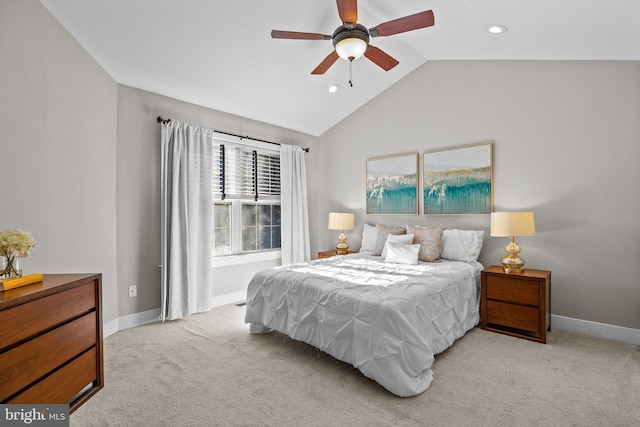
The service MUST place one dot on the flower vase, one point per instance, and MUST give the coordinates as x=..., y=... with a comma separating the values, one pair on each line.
x=10, y=266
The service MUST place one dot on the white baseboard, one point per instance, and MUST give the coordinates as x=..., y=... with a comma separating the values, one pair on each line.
x=144, y=317
x=130, y=321
x=138, y=319
x=109, y=328
x=231, y=298
x=601, y=330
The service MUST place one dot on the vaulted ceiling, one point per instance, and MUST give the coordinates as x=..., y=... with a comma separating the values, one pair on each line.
x=219, y=53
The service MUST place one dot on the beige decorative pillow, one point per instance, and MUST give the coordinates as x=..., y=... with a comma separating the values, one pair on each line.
x=430, y=240
x=382, y=232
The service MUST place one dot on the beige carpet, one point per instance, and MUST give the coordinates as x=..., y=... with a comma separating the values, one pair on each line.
x=208, y=371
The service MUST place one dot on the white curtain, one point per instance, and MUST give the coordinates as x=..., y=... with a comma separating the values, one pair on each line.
x=295, y=214
x=186, y=219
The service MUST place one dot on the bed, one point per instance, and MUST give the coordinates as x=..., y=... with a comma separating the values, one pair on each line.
x=388, y=319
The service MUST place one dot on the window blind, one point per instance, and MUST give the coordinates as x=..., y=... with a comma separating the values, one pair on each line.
x=244, y=172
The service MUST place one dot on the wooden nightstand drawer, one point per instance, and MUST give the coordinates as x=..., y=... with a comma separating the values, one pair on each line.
x=504, y=288
x=513, y=316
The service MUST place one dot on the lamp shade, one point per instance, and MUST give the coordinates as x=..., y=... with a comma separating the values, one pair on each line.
x=507, y=224
x=341, y=221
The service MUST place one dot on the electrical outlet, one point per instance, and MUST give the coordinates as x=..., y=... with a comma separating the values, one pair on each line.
x=133, y=291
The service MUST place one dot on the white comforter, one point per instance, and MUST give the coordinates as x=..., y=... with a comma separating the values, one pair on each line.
x=387, y=320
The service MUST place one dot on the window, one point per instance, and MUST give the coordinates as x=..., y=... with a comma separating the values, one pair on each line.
x=221, y=228
x=246, y=194
x=260, y=227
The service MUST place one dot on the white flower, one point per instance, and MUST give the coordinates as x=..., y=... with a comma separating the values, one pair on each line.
x=16, y=243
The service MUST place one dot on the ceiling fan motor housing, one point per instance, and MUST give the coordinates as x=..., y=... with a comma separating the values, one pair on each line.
x=349, y=31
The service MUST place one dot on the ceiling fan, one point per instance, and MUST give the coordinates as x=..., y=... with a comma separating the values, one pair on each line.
x=351, y=40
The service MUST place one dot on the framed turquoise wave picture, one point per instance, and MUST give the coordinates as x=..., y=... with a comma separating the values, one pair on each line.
x=458, y=180
x=392, y=185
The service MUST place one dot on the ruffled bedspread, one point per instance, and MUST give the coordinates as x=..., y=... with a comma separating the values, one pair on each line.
x=388, y=320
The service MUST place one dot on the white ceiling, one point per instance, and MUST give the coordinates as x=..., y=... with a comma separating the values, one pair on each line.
x=219, y=53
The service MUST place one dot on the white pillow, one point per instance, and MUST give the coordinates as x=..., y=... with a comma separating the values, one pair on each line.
x=461, y=245
x=369, y=235
x=403, y=239
x=402, y=254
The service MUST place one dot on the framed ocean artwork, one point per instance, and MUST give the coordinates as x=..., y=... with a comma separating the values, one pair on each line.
x=392, y=185
x=458, y=180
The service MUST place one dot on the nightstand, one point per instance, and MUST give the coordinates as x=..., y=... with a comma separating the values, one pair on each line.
x=516, y=304
x=329, y=254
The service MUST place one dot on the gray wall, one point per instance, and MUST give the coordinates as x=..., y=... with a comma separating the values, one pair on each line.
x=57, y=147
x=566, y=146
x=138, y=195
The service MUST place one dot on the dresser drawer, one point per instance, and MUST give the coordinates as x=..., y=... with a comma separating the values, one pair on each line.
x=30, y=361
x=58, y=308
x=503, y=288
x=63, y=384
x=513, y=316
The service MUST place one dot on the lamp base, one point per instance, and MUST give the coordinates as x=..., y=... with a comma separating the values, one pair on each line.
x=342, y=248
x=512, y=270
x=512, y=263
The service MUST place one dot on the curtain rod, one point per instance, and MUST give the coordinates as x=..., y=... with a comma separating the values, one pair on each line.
x=165, y=121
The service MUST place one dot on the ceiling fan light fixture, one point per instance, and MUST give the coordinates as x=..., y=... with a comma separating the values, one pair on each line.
x=351, y=48
x=351, y=41
x=333, y=88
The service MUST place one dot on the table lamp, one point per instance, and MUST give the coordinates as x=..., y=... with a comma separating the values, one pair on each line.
x=511, y=224
x=341, y=221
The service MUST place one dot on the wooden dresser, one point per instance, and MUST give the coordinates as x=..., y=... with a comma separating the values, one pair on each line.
x=516, y=304
x=51, y=341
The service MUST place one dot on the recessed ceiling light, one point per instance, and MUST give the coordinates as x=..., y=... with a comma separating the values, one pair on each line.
x=333, y=88
x=496, y=29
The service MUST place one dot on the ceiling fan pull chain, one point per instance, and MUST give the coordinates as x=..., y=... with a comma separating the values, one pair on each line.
x=350, y=65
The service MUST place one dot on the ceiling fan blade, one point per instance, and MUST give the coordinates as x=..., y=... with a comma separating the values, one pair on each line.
x=277, y=34
x=402, y=25
x=348, y=10
x=326, y=63
x=380, y=58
